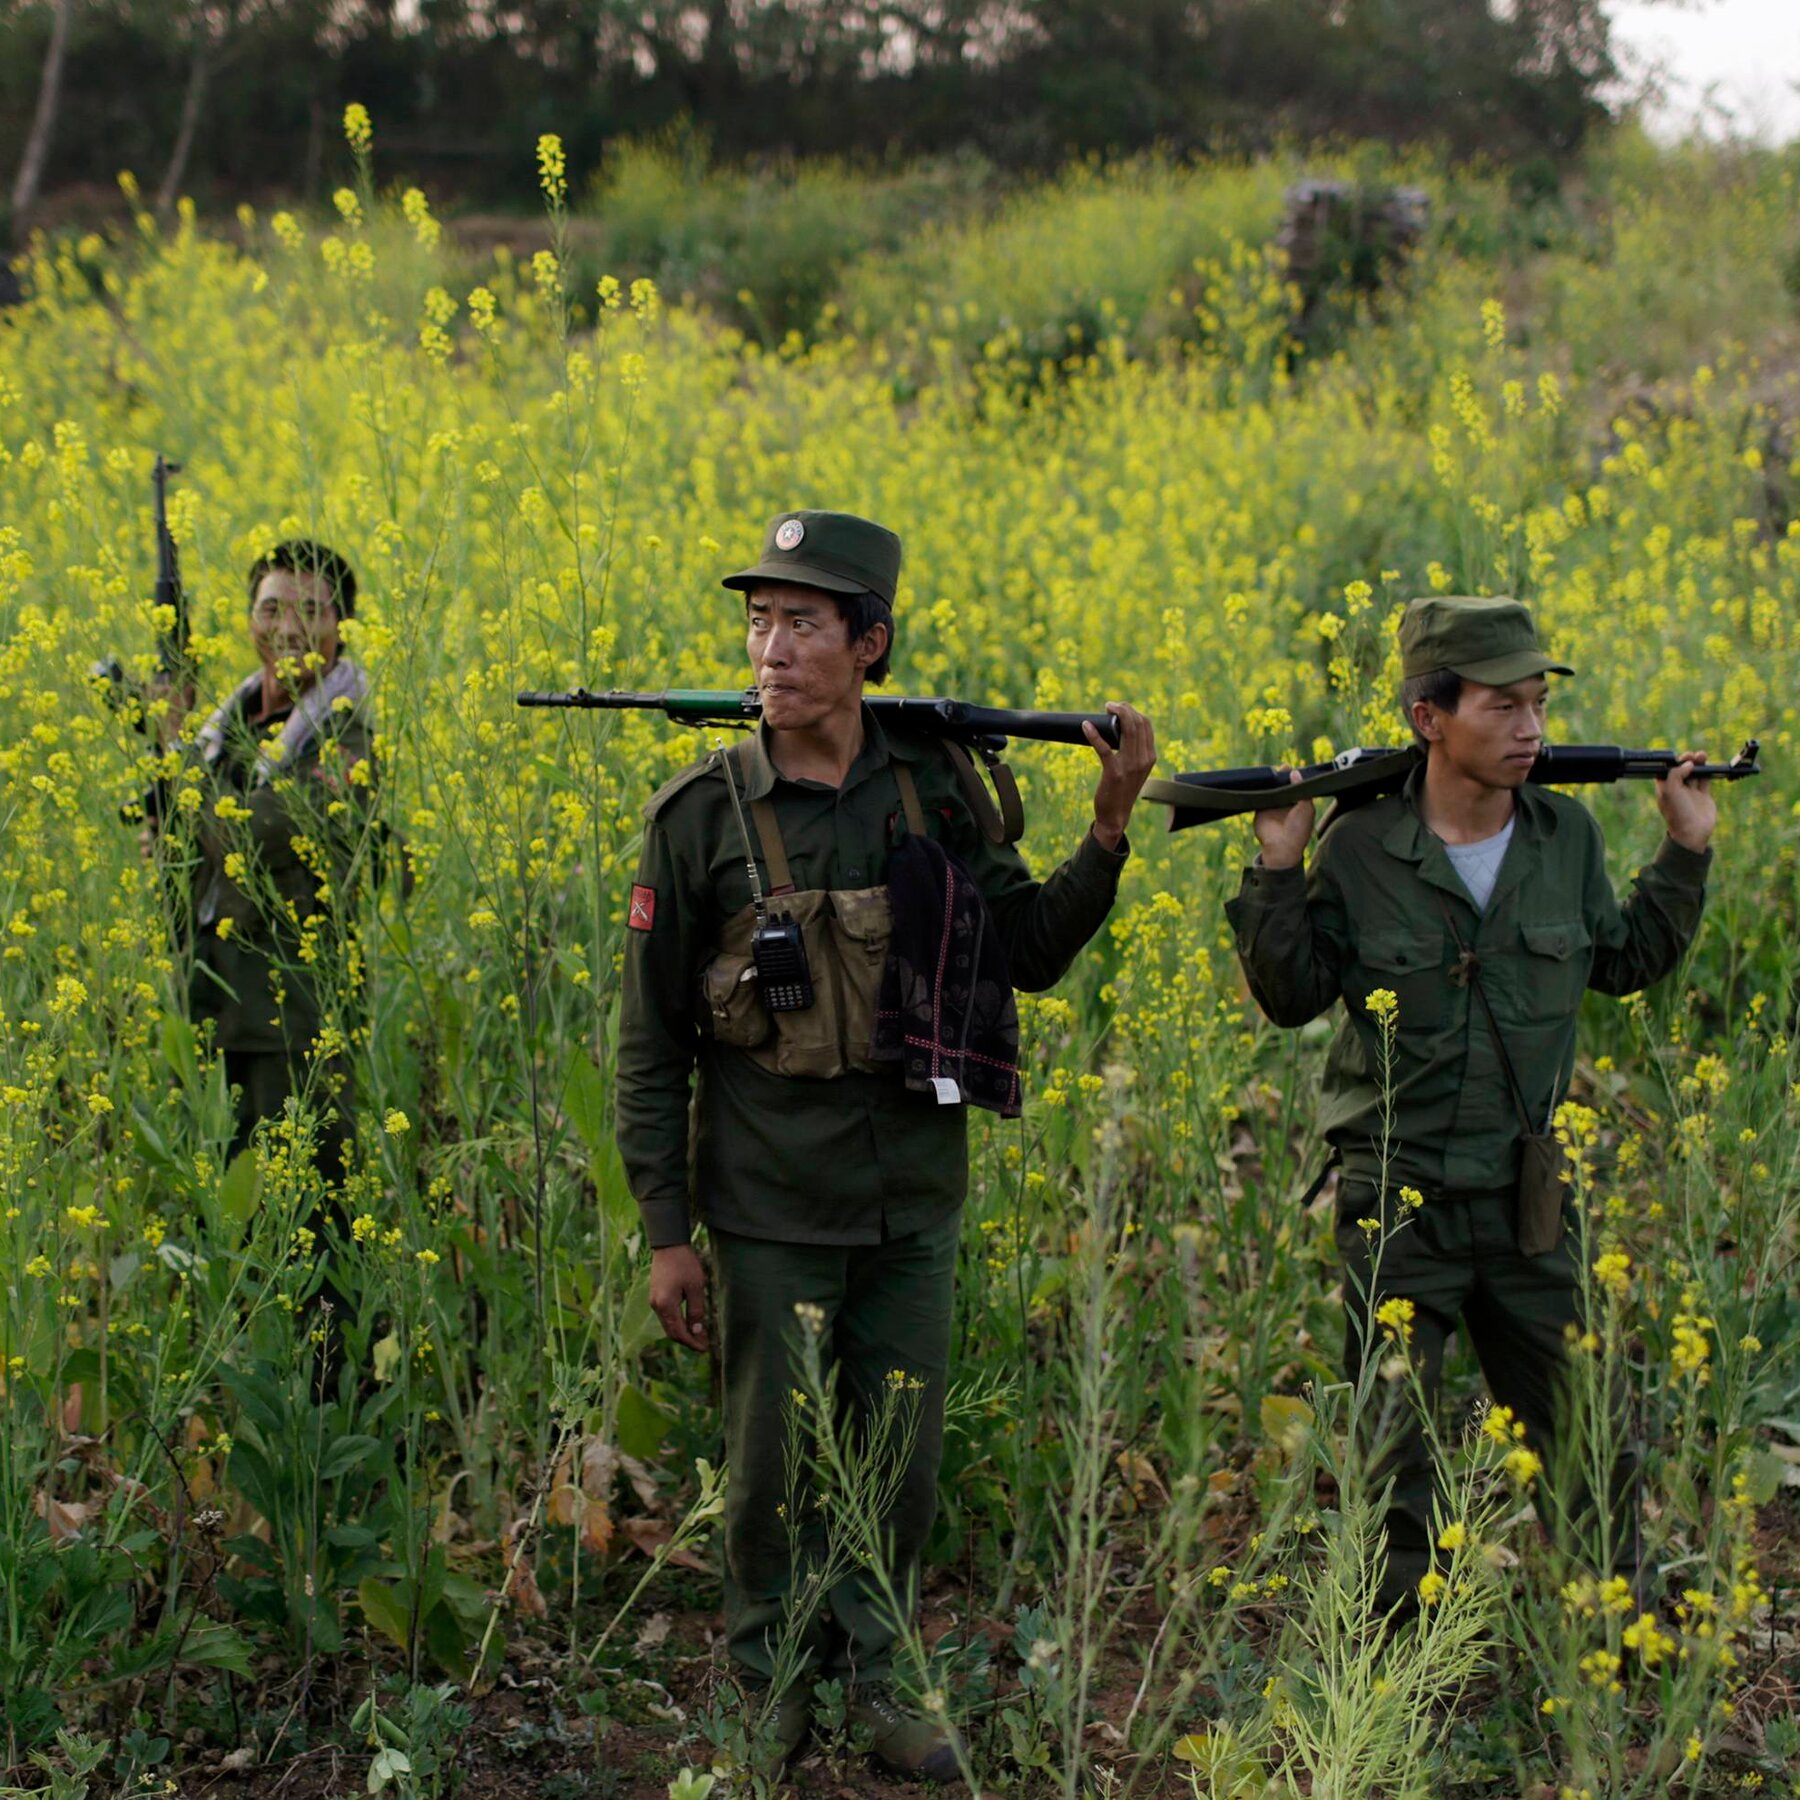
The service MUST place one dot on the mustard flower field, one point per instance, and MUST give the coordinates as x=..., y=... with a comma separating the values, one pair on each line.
x=456, y=1532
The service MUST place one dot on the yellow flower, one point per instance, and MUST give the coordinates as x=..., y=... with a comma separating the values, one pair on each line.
x=1612, y=1271
x=1649, y=1640
x=429, y=1258
x=1410, y=1196
x=1383, y=1006
x=1453, y=1536
x=359, y=129
x=1500, y=1427
x=1431, y=1588
x=552, y=168
x=364, y=1228
x=395, y=1123
x=1395, y=1317
x=1524, y=1466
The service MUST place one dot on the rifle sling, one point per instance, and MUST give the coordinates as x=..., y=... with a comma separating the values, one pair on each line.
x=1002, y=825
x=1190, y=796
x=1468, y=969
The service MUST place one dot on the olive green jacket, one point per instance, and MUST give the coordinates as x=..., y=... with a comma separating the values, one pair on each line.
x=850, y=1160
x=266, y=932
x=1367, y=916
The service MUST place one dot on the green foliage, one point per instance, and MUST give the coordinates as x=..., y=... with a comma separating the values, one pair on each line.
x=1148, y=1451
x=765, y=248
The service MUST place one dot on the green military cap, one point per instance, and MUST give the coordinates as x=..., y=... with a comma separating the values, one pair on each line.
x=835, y=551
x=1491, y=641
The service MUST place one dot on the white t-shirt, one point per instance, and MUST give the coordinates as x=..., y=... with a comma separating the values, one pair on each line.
x=1478, y=865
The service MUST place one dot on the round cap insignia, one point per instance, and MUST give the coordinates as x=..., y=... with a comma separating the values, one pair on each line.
x=788, y=534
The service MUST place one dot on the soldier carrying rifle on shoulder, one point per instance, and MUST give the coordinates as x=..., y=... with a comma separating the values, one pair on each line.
x=1479, y=901
x=822, y=931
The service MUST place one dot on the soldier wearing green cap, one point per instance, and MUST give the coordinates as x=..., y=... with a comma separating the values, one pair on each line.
x=1482, y=905
x=825, y=1180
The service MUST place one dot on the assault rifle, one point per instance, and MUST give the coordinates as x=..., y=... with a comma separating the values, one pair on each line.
x=962, y=725
x=980, y=727
x=1354, y=777
x=172, y=625
x=167, y=597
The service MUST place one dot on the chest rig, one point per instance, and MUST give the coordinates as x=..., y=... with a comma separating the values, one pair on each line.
x=796, y=980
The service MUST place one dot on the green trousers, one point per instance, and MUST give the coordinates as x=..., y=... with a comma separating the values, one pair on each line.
x=887, y=1307
x=1459, y=1263
x=262, y=1080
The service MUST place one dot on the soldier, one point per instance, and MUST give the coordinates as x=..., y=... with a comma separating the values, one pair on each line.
x=1482, y=904
x=825, y=1175
x=287, y=775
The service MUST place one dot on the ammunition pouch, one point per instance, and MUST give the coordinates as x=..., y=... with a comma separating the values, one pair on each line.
x=846, y=933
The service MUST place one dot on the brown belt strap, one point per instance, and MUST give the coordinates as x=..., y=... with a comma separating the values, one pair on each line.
x=909, y=799
x=1002, y=825
x=768, y=832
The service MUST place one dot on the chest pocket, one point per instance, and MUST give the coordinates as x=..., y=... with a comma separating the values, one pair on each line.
x=1410, y=964
x=846, y=933
x=1553, y=970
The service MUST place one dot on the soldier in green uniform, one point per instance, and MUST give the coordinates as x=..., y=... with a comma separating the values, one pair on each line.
x=1469, y=883
x=287, y=766
x=823, y=1178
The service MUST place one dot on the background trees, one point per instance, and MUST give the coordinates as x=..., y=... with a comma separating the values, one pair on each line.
x=215, y=94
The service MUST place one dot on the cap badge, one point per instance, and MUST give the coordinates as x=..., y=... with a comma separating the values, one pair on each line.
x=788, y=534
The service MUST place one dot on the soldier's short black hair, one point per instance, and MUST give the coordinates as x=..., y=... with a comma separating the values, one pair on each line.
x=1441, y=688
x=301, y=556
x=861, y=613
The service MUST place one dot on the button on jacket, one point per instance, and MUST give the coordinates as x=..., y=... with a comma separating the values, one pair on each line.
x=1369, y=915
x=851, y=1160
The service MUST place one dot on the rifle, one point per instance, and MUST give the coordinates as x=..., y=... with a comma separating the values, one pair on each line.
x=962, y=726
x=172, y=630
x=169, y=600
x=1355, y=777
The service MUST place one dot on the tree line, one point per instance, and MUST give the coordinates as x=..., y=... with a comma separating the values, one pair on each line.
x=233, y=99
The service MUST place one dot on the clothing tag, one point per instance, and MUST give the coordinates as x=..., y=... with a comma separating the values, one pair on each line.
x=948, y=1093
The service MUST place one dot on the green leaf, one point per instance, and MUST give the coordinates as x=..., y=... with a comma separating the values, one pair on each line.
x=239, y=1188
x=386, y=1357
x=584, y=1103
x=639, y=1327
x=128, y=1663
x=217, y=1646
x=1765, y=1475
x=448, y=1642
x=387, y=1765
x=642, y=1425
x=385, y=1610
x=346, y=1454
x=253, y=1475
x=1285, y=1422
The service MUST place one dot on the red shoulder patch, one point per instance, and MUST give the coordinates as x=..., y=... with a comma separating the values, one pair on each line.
x=643, y=908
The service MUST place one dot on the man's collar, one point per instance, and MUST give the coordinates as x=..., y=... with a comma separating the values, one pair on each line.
x=1412, y=840
x=878, y=749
